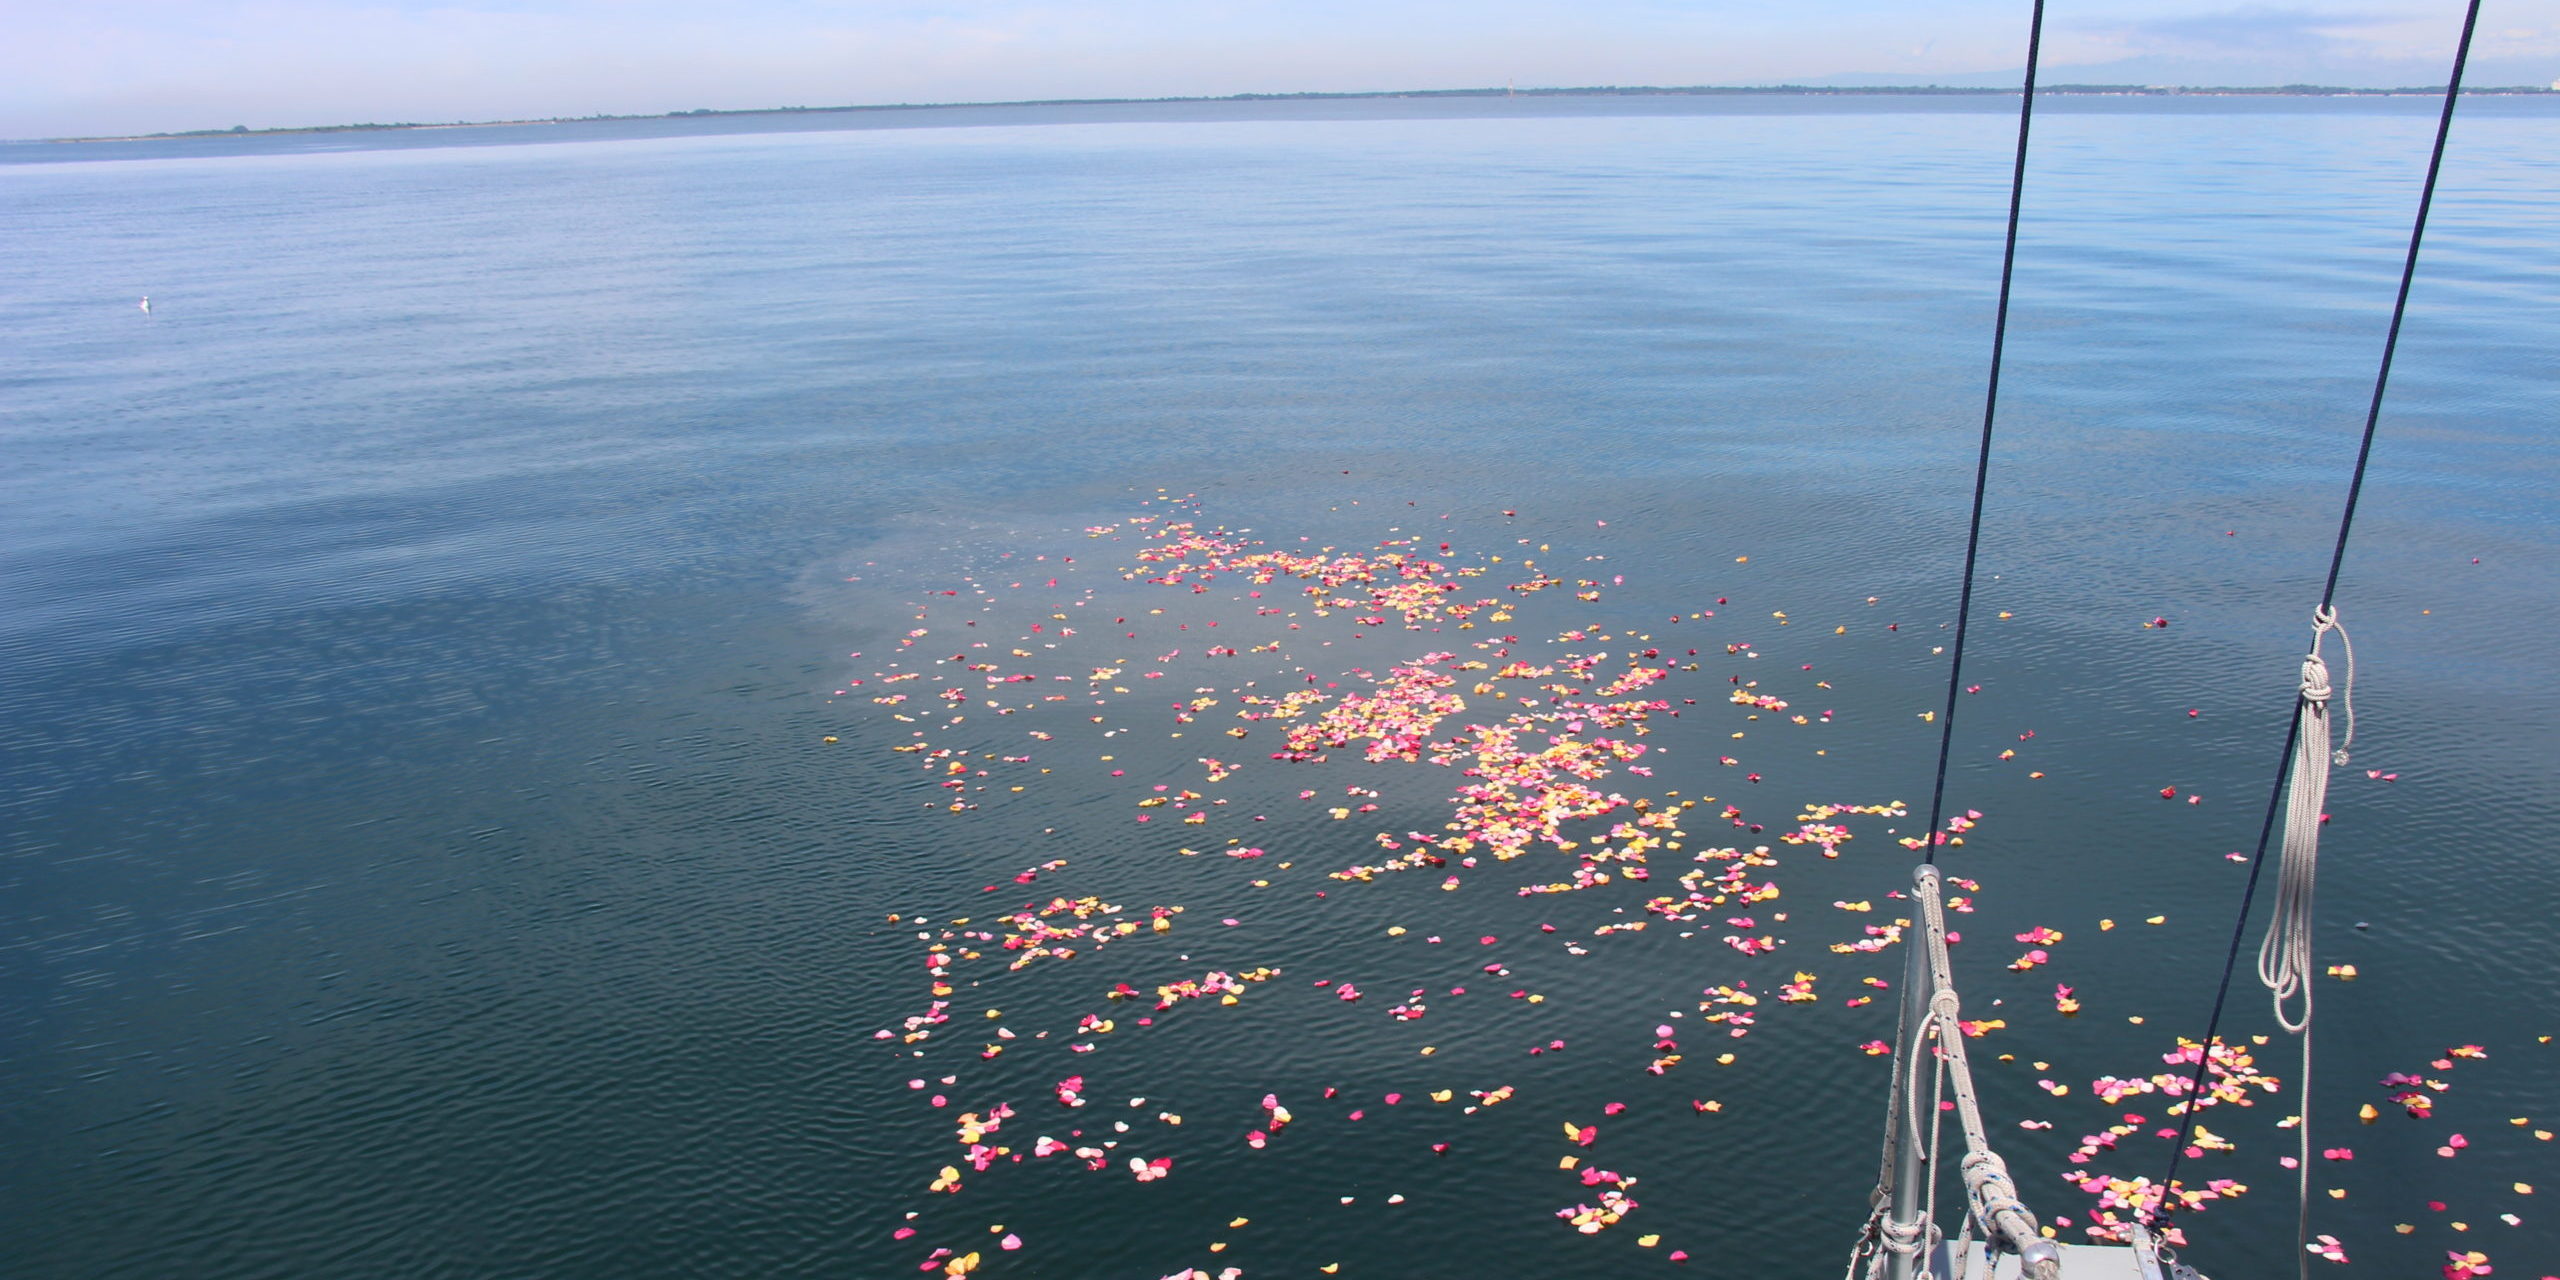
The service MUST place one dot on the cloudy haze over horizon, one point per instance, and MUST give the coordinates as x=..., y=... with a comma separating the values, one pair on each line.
x=134, y=66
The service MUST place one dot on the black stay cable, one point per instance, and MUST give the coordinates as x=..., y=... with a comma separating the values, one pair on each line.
x=1907, y=1038
x=1982, y=460
x=2337, y=557
x=2400, y=306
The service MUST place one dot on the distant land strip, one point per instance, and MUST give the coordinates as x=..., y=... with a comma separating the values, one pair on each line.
x=1589, y=91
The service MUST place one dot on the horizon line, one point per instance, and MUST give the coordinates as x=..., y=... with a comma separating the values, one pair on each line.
x=2119, y=90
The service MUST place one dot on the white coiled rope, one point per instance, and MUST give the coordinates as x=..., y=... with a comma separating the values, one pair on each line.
x=2284, y=959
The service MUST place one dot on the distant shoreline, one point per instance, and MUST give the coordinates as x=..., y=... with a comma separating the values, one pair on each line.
x=1597, y=91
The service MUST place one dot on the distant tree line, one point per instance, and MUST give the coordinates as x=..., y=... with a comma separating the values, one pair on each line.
x=1584, y=91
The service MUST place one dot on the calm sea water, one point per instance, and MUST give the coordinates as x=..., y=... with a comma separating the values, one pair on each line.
x=422, y=634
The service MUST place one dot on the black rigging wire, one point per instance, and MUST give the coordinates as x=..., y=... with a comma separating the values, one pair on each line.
x=1982, y=460
x=2328, y=593
x=1895, y=1116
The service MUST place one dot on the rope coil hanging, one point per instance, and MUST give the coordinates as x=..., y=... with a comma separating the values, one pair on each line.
x=2284, y=958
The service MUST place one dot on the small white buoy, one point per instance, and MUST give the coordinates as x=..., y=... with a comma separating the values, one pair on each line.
x=146, y=304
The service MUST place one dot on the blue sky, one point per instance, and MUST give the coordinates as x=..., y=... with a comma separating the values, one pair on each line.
x=109, y=66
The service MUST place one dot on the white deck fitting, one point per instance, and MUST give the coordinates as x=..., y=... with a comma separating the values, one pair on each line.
x=2079, y=1262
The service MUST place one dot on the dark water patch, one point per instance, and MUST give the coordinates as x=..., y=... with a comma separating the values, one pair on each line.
x=423, y=852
